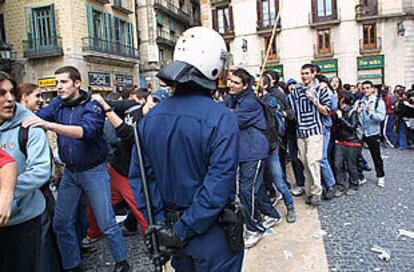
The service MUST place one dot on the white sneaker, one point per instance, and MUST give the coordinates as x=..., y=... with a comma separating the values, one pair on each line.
x=276, y=199
x=252, y=238
x=297, y=191
x=381, y=182
x=362, y=181
x=269, y=222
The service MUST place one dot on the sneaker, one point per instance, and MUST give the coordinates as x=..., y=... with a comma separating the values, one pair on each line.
x=276, y=200
x=297, y=191
x=330, y=193
x=351, y=192
x=315, y=200
x=381, y=182
x=252, y=238
x=122, y=266
x=269, y=222
x=88, y=241
x=126, y=232
x=88, y=250
x=291, y=215
x=339, y=193
x=308, y=200
x=362, y=181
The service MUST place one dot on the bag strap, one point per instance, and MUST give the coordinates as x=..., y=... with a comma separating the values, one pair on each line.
x=23, y=139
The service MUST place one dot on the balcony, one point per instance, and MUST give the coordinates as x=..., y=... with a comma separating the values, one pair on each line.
x=195, y=22
x=228, y=35
x=318, y=21
x=108, y=49
x=167, y=7
x=43, y=48
x=117, y=5
x=322, y=53
x=363, y=12
x=103, y=1
x=266, y=28
x=167, y=38
x=219, y=2
x=273, y=58
x=370, y=48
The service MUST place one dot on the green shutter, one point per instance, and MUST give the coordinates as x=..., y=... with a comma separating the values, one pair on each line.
x=89, y=12
x=160, y=19
x=29, y=27
x=53, y=25
x=173, y=25
x=116, y=29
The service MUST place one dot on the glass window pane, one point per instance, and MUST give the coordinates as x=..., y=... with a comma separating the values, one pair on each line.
x=327, y=39
x=321, y=8
x=328, y=7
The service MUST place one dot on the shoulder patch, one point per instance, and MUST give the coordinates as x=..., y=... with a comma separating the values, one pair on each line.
x=97, y=109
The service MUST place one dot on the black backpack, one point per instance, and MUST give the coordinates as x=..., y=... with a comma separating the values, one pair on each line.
x=272, y=124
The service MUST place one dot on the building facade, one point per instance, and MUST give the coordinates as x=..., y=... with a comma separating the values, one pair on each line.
x=99, y=37
x=355, y=39
x=161, y=23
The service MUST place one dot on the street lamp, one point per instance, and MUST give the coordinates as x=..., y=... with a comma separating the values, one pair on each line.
x=401, y=28
x=7, y=56
x=244, y=45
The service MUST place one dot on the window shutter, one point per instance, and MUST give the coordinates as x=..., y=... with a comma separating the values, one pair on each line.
x=30, y=28
x=131, y=38
x=259, y=14
x=116, y=29
x=89, y=13
x=231, y=18
x=160, y=19
x=214, y=15
x=53, y=25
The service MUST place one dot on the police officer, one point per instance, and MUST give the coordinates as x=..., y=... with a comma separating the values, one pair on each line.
x=190, y=148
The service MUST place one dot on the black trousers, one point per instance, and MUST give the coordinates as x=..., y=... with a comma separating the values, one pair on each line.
x=373, y=143
x=20, y=246
x=346, y=162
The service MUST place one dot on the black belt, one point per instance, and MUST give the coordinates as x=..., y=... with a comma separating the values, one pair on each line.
x=172, y=216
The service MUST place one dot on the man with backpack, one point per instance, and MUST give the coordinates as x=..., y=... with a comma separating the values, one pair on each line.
x=253, y=150
x=310, y=103
x=371, y=111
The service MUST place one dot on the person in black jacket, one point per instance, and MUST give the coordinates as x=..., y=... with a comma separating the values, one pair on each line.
x=347, y=146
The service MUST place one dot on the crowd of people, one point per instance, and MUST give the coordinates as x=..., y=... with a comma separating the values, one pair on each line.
x=206, y=161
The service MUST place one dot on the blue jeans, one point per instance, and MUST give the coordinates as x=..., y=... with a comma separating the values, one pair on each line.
x=389, y=133
x=402, y=134
x=95, y=183
x=326, y=170
x=297, y=166
x=253, y=194
x=276, y=173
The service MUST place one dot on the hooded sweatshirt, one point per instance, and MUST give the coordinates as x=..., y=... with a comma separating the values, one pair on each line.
x=33, y=172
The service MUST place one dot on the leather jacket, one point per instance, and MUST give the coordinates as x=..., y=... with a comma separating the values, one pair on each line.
x=347, y=126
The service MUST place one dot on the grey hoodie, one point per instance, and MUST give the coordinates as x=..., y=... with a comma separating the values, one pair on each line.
x=34, y=171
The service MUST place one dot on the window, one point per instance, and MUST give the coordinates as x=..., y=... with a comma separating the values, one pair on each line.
x=266, y=12
x=98, y=24
x=2, y=28
x=273, y=52
x=223, y=19
x=159, y=30
x=369, y=7
x=324, y=41
x=124, y=38
x=161, y=53
x=369, y=36
x=99, y=28
x=41, y=27
x=324, y=10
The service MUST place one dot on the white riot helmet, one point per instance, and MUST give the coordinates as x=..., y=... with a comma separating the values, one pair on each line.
x=199, y=56
x=204, y=49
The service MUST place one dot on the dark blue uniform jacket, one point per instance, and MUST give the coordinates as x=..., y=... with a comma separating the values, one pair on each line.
x=91, y=150
x=190, y=147
x=250, y=117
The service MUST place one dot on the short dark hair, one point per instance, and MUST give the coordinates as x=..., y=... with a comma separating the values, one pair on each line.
x=274, y=75
x=369, y=82
x=309, y=66
x=113, y=96
x=142, y=93
x=5, y=76
x=347, y=87
x=243, y=75
x=347, y=96
x=317, y=68
x=72, y=71
x=127, y=91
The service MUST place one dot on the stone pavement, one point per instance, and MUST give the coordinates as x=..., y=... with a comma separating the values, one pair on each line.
x=337, y=236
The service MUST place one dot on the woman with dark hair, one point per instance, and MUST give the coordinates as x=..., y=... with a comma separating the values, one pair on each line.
x=30, y=96
x=336, y=83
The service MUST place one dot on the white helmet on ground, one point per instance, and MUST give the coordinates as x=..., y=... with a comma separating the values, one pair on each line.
x=204, y=49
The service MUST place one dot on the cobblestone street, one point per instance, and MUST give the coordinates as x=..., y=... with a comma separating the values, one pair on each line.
x=373, y=217
x=352, y=225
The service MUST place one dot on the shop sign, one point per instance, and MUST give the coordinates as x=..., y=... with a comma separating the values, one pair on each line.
x=369, y=76
x=126, y=80
x=46, y=82
x=99, y=79
x=277, y=68
x=327, y=66
x=370, y=62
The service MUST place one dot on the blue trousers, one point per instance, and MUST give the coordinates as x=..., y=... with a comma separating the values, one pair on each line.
x=95, y=183
x=209, y=252
x=253, y=194
x=275, y=170
x=389, y=133
x=326, y=170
